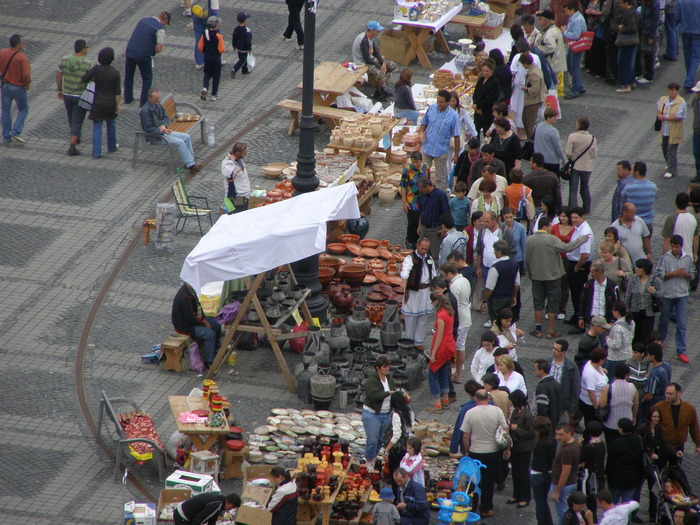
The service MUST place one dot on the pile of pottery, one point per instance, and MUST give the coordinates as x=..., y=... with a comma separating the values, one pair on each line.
x=360, y=131
x=290, y=434
x=411, y=142
x=277, y=296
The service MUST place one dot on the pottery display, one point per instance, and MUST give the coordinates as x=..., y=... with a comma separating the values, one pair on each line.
x=336, y=248
x=353, y=274
x=358, y=327
x=325, y=275
x=348, y=237
x=329, y=261
x=391, y=324
x=322, y=389
x=341, y=298
x=387, y=194
x=338, y=339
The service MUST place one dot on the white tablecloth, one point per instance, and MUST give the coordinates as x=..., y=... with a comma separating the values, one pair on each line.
x=433, y=26
x=503, y=42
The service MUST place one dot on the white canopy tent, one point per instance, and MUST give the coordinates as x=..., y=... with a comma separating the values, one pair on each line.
x=264, y=238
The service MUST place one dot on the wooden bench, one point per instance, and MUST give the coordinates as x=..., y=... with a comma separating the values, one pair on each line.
x=130, y=435
x=173, y=348
x=145, y=140
x=332, y=115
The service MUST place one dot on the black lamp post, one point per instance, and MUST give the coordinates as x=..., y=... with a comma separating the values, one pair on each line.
x=305, y=180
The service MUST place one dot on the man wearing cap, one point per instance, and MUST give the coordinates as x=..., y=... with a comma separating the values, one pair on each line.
x=696, y=130
x=551, y=43
x=201, y=11
x=16, y=77
x=70, y=86
x=365, y=50
x=155, y=122
x=212, y=45
x=147, y=39
x=591, y=340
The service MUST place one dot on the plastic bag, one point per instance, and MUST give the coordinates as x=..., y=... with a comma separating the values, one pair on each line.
x=175, y=441
x=196, y=363
x=297, y=344
x=251, y=61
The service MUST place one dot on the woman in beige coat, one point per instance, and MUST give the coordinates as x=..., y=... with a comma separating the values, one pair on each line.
x=535, y=92
x=581, y=146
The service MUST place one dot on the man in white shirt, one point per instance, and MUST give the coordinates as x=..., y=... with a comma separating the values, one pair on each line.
x=633, y=233
x=614, y=514
x=479, y=438
x=489, y=173
x=578, y=261
x=460, y=288
x=682, y=223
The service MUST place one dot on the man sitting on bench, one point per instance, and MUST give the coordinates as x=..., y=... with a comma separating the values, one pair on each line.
x=189, y=319
x=155, y=121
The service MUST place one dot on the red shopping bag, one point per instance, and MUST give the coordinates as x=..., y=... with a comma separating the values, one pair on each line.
x=552, y=101
x=584, y=43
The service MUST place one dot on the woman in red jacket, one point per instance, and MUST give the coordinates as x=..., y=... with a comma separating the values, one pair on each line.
x=442, y=351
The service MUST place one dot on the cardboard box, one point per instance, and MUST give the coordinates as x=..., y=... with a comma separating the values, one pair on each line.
x=503, y=6
x=255, y=201
x=249, y=515
x=197, y=482
x=139, y=513
x=168, y=496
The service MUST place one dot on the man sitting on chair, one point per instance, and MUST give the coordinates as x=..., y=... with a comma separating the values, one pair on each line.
x=188, y=319
x=155, y=121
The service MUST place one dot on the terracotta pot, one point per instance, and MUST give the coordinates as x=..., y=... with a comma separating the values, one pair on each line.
x=387, y=194
x=353, y=274
x=325, y=275
x=328, y=261
x=369, y=243
x=348, y=237
x=336, y=248
x=342, y=299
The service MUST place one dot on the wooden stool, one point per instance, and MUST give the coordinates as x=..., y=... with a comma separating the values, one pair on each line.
x=205, y=462
x=172, y=348
x=233, y=459
x=148, y=225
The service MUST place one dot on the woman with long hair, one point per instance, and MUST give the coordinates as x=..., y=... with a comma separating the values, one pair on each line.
x=541, y=468
x=502, y=73
x=507, y=332
x=627, y=43
x=396, y=437
x=523, y=431
x=624, y=400
x=442, y=350
x=486, y=93
x=563, y=230
x=648, y=39
x=549, y=209
x=404, y=106
x=643, y=288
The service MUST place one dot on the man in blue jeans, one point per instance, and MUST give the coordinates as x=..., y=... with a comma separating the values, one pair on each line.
x=676, y=269
x=564, y=468
x=695, y=103
x=16, y=77
x=188, y=318
x=688, y=20
x=155, y=122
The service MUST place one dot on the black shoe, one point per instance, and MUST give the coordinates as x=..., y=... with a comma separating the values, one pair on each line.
x=575, y=331
x=500, y=486
x=611, y=80
x=666, y=57
x=636, y=519
x=73, y=151
x=128, y=101
x=246, y=72
x=570, y=321
x=233, y=74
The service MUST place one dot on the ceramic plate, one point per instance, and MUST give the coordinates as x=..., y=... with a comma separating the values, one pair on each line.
x=329, y=432
x=346, y=436
x=291, y=433
x=312, y=419
x=324, y=414
x=201, y=413
x=298, y=429
x=263, y=430
x=313, y=429
x=361, y=441
x=356, y=423
x=272, y=448
x=292, y=412
x=262, y=482
x=279, y=411
x=273, y=420
x=328, y=425
x=343, y=427
x=298, y=420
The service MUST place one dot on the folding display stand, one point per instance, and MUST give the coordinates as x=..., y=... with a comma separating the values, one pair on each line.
x=273, y=332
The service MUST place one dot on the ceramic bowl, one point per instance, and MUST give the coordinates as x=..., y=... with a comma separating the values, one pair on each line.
x=329, y=262
x=348, y=237
x=278, y=165
x=271, y=173
x=325, y=276
x=353, y=274
x=336, y=248
x=369, y=243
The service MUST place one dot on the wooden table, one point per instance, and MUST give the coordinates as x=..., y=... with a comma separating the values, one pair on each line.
x=418, y=32
x=332, y=80
x=195, y=431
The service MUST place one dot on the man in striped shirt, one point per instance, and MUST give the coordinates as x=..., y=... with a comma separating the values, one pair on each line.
x=69, y=88
x=642, y=193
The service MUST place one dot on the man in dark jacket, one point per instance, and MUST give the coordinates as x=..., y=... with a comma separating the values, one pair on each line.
x=147, y=39
x=457, y=444
x=566, y=373
x=205, y=509
x=547, y=393
x=155, y=122
x=625, y=466
x=598, y=295
x=410, y=500
x=188, y=318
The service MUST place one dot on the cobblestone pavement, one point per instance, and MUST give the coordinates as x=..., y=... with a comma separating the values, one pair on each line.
x=65, y=221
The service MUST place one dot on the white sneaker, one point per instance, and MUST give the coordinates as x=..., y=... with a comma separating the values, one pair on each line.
x=487, y=324
x=642, y=80
x=198, y=66
x=213, y=98
x=667, y=175
x=187, y=12
x=657, y=64
x=561, y=316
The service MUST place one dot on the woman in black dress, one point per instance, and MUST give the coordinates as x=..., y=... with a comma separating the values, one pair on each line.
x=503, y=74
x=486, y=93
x=107, y=102
x=507, y=144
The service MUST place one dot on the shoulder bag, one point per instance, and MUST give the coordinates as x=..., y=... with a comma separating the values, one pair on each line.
x=528, y=148
x=627, y=39
x=567, y=169
x=503, y=439
x=602, y=413
x=623, y=279
x=584, y=42
x=88, y=96
x=7, y=67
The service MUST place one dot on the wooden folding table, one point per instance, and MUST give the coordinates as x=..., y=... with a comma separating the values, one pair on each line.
x=331, y=80
x=195, y=431
x=419, y=32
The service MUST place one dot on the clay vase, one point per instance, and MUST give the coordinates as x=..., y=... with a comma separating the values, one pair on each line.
x=313, y=341
x=358, y=326
x=322, y=391
x=391, y=325
x=387, y=193
x=304, y=384
x=348, y=139
x=338, y=340
x=358, y=226
x=342, y=299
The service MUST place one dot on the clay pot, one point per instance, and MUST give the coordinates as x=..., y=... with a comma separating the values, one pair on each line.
x=359, y=260
x=391, y=324
x=348, y=237
x=353, y=274
x=325, y=275
x=358, y=226
x=358, y=327
x=369, y=243
x=387, y=194
x=377, y=127
x=348, y=139
x=342, y=299
x=336, y=248
x=329, y=262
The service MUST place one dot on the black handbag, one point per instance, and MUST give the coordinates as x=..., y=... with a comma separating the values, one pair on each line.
x=657, y=124
x=602, y=413
x=567, y=170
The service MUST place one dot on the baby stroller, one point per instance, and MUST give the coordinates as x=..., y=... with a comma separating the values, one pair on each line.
x=674, y=492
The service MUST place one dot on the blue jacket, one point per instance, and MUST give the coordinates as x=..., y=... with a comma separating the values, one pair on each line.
x=153, y=116
x=242, y=39
x=457, y=445
x=688, y=15
x=142, y=44
x=417, y=511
